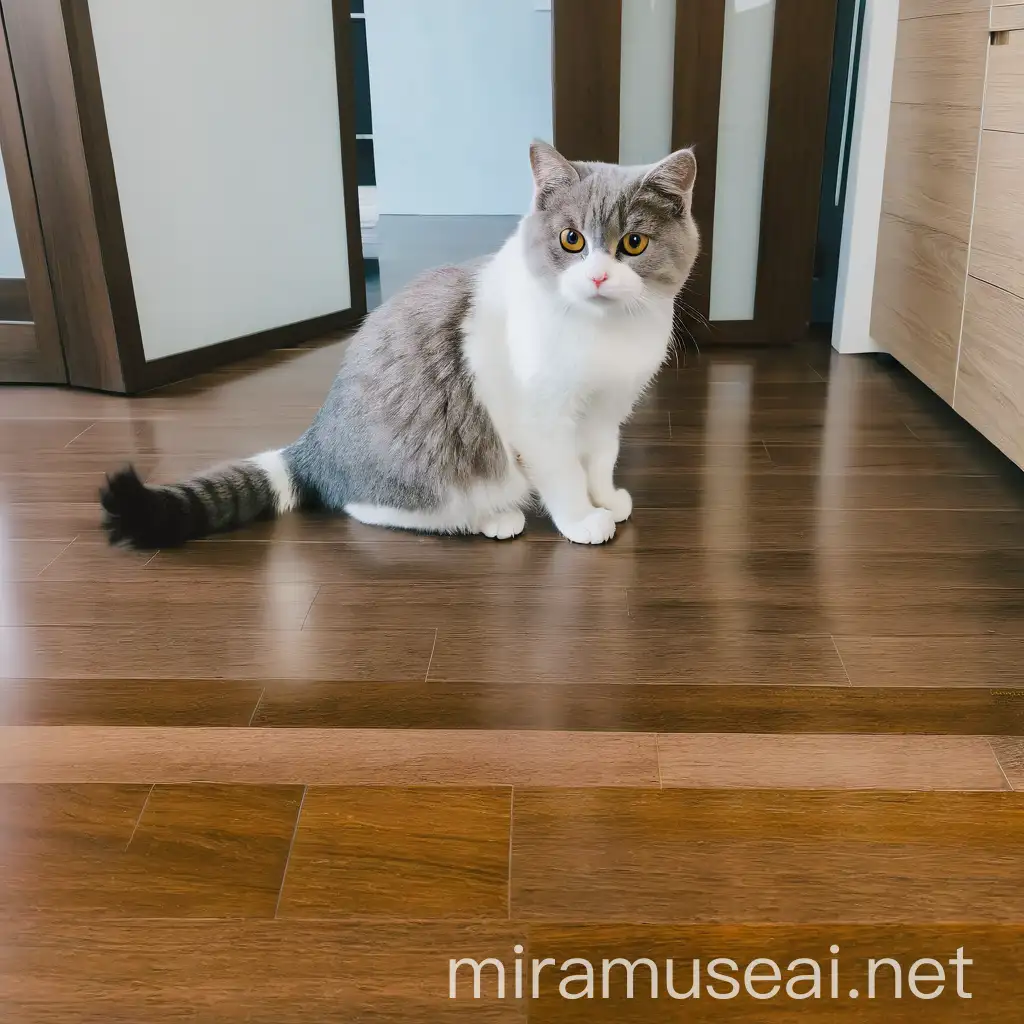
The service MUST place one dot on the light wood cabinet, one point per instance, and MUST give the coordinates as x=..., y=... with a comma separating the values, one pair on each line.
x=949, y=285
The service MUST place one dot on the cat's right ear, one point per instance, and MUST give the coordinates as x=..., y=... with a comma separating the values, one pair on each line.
x=552, y=173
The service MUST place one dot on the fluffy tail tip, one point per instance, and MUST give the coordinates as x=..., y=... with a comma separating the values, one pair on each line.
x=137, y=515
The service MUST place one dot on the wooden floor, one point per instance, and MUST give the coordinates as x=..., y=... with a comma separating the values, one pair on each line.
x=288, y=774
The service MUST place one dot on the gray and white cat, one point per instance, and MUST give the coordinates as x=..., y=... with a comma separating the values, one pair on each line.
x=478, y=387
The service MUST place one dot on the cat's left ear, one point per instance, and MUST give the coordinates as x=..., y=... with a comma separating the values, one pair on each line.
x=673, y=178
x=552, y=173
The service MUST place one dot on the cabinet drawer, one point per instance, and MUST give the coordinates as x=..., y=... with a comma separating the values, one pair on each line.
x=1004, y=97
x=997, y=244
x=990, y=383
x=1007, y=17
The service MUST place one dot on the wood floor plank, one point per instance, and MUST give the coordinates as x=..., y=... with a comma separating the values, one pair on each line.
x=254, y=971
x=655, y=656
x=47, y=521
x=986, y=661
x=666, y=708
x=906, y=763
x=912, y=456
x=161, y=604
x=24, y=435
x=834, y=531
x=741, y=604
x=689, y=856
x=90, y=559
x=209, y=851
x=25, y=560
x=339, y=605
x=415, y=854
x=326, y=757
x=143, y=702
x=109, y=652
x=61, y=845
x=875, y=491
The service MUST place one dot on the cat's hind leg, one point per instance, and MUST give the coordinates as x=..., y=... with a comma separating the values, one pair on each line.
x=439, y=521
x=499, y=525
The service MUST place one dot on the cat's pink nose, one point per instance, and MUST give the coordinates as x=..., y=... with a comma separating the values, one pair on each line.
x=600, y=279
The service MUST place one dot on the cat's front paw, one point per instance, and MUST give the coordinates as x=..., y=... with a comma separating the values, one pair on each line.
x=596, y=528
x=504, y=525
x=620, y=504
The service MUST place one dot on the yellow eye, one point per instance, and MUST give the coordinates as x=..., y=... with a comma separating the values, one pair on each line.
x=633, y=244
x=572, y=241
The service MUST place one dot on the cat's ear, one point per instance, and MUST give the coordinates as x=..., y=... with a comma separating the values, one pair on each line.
x=673, y=178
x=552, y=173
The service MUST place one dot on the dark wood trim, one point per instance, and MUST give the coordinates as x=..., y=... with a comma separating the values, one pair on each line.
x=794, y=158
x=29, y=352
x=15, y=306
x=587, y=58
x=349, y=156
x=697, y=90
x=92, y=116
x=42, y=69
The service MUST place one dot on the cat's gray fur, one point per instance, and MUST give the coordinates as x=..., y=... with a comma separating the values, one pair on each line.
x=401, y=425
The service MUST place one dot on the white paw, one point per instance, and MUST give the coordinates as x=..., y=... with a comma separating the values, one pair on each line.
x=503, y=525
x=620, y=505
x=596, y=528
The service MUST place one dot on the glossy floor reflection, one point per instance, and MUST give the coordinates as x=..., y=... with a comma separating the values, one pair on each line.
x=261, y=778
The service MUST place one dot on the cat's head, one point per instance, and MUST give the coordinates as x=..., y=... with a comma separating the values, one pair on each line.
x=610, y=237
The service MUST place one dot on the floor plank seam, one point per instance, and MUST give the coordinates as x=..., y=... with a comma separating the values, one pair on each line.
x=78, y=435
x=511, y=826
x=839, y=655
x=999, y=764
x=259, y=700
x=309, y=610
x=430, y=660
x=657, y=759
x=291, y=847
x=56, y=556
x=138, y=820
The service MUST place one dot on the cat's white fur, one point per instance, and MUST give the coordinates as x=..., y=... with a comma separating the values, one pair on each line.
x=558, y=371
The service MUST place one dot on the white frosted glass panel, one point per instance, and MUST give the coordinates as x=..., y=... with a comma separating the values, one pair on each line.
x=10, y=253
x=646, y=81
x=459, y=89
x=223, y=120
x=742, y=128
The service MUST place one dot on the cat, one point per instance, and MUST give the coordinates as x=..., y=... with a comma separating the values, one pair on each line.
x=478, y=386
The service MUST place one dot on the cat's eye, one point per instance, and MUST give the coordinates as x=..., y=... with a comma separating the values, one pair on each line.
x=572, y=241
x=634, y=243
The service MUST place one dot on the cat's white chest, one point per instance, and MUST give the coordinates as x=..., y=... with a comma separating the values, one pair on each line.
x=583, y=356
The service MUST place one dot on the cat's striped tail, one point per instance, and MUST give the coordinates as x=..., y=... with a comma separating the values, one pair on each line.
x=223, y=498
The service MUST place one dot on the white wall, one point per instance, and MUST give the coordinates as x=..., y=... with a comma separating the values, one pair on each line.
x=10, y=255
x=223, y=120
x=458, y=89
x=851, y=330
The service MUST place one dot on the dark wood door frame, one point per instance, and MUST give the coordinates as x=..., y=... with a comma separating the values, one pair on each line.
x=794, y=156
x=53, y=55
x=30, y=352
x=586, y=70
